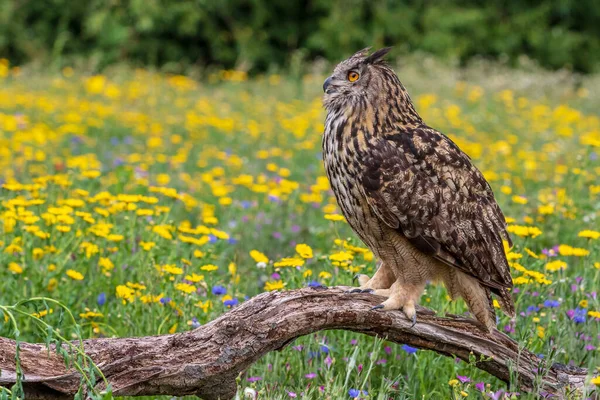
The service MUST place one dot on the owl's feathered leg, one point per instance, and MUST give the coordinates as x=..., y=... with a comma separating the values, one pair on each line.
x=382, y=279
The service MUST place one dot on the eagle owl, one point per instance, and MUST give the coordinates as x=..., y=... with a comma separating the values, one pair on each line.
x=411, y=195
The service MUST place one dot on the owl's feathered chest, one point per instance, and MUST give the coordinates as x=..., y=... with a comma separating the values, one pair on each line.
x=344, y=147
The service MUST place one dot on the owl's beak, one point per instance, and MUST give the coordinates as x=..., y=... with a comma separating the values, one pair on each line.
x=326, y=84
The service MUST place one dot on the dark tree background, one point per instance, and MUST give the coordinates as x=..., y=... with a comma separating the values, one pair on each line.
x=258, y=34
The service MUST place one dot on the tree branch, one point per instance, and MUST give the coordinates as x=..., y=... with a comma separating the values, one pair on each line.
x=206, y=361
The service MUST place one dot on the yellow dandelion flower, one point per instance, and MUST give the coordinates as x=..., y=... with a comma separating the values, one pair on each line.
x=185, y=288
x=289, y=262
x=341, y=256
x=198, y=254
x=194, y=277
x=43, y=313
x=519, y=199
x=209, y=267
x=304, y=250
x=276, y=285
x=524, y=231
x=565, y=250
x=594, y=314
x=324, y=275
x=334, y=217
x=521, y=280
x=15, y=268
x=37, y=253
x=91, y=314
x=171, y=269
x=105, y=263
x=77, y=276
x=541, y=331
x=589, y=234
x=52, y=284
x=204, y=305
x=531, y=253
x=125, y=293
x=147, y=246
x=163, y=231
x=583, y=303
x=259, y=257
x=556, y=265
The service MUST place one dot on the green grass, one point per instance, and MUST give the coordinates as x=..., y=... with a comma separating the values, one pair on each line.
x=243, y=160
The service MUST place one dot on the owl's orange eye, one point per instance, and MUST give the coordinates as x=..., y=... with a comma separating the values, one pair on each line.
x=353, y=76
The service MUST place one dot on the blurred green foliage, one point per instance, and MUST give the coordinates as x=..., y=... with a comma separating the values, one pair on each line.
x=258, y=34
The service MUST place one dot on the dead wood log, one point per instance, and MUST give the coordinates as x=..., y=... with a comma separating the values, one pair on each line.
x=206, y=361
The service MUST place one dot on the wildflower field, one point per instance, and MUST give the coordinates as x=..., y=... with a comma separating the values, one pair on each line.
x=145, y=203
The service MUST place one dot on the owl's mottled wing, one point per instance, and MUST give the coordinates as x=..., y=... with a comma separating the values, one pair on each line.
x=419, y=182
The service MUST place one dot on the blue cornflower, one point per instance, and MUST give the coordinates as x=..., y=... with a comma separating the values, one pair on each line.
x=533, y=309
x=580, y=314
x=551, y=303
x=218, y=290
x=101, y=299
x=408, y=349
x=231, y=303
x=354, y=393
x=165, y=300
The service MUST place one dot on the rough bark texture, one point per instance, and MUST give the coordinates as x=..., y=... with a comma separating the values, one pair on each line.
x=206, y=361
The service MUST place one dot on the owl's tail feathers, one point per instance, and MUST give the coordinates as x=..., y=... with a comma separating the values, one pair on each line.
x=506, y=302
x=478, y=299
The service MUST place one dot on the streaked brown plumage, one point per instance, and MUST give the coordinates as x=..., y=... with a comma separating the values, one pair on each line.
x=411, y=194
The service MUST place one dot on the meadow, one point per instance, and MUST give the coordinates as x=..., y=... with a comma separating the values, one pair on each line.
x=138, y=203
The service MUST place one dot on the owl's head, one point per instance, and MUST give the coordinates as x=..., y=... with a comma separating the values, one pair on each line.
x=361, y=76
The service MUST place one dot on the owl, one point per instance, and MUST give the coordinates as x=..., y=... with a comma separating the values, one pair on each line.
x=411, y=195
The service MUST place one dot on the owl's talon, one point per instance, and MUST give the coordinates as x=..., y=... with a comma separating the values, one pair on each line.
x=377, y=307
x=355, y=278
x=414, y=321
x=359, y=290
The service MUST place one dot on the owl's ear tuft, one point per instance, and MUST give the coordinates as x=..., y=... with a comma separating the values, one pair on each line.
x=378, y=55
x=361, y=53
